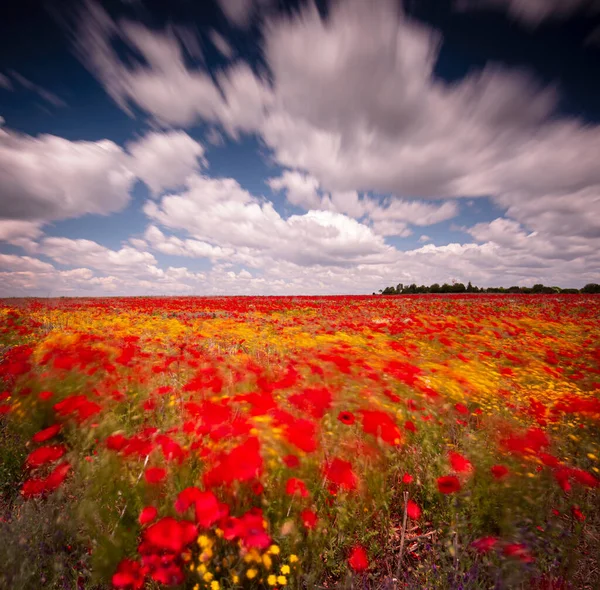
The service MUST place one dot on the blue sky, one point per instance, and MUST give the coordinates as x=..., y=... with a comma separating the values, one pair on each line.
x=270, y=147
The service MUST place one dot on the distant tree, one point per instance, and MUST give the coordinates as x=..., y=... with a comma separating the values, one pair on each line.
x=591, y=288
x=458, y=288
x=537, y=288
x=469, y=288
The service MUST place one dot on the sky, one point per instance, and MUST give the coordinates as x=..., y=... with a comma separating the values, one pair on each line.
x=263, y=147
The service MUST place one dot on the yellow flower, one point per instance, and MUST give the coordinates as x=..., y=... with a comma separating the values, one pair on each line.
x=214, y=585
x=285, y=569
x=251, y=573
x=293, y=558
x=252, y=555
x=281, y=580
x=272, y=580
x=207, y=577
x=274, y=550
x=267, y=561
x=235, y=579
x=203, y=541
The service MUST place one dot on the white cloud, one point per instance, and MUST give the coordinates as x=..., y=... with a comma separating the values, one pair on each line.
x=301, y=190
x=165, y=160
x=415, y=212
x=165, y=86
x=221, y=44
x=16, y=228
x=532, y=12
x=5, y=82
x=424, y=238
x=13, y=262
x=220, y=212
x=48, y=96
x=237, y=11
x=48, y=177
x=177, y=247
x=95, y=256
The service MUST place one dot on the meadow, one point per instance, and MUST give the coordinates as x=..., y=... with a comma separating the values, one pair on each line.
x=300, y=442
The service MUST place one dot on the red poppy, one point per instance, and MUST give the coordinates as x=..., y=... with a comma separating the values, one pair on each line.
x=296, y=486
x=147, y=515
x=382, y=425
x=448, y=484
x=47, y=433
x=485, y=544
x=154, y=475
x=346, y=418
x=128, y=575
x=358, y=560
x=459, y=463
x=339, y=473
x=208, y=510
x=303, y=435
x=44, y=455
x=116, y=442
x=499, y=471
x=461, y=409
x=519, y=551
x=577, y=514
x=408, y=425
x=291, y=461
x=413, y=510
x=169, y=534
x=309, y=519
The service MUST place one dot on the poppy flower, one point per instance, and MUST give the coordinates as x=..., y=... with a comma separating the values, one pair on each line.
x=346, y=418
x=291, y=461
x=208, y=510
x=461, y=409
x=44, y=455
x=339, y=472
x=309, y=519
x=116, y=442
x=47, y=433
x=410, y=426
x=407, y=478
x=296, y=486
x=448, y=484
x=382, y=425
x=577, y=514
x=499, y=471
x=155, y=475
x=459, y=463
x=170, y=534
x=413, y=510
x=128, y=575
x=484, y=544
x=186, y=498
x=519, y=551
x=358, y=560
x=147, y=515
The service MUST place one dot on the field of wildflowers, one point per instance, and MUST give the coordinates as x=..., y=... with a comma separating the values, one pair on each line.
x=349, y=442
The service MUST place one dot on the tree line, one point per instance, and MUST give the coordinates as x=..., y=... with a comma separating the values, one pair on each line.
x=413, y=289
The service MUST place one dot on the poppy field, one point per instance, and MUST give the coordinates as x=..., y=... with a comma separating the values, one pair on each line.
x=300, y=442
